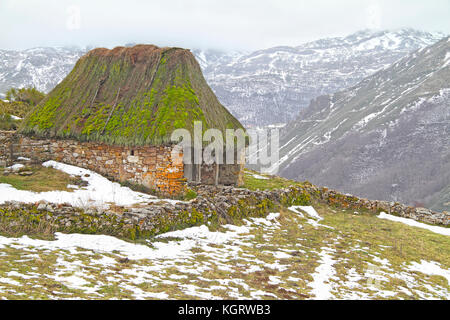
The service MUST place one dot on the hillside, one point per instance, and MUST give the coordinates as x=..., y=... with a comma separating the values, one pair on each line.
x=135, y=95
x=303, y=250
x=385, y=138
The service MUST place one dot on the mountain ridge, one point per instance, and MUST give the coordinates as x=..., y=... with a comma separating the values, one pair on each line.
x=385, y=138
x=272, y=85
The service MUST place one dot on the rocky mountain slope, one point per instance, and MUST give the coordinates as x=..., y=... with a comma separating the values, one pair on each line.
x=259, y=88
x=386, y=138
x=272, y=85
x=42, y=68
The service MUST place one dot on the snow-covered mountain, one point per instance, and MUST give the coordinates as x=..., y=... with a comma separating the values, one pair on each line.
x=272, y=85
x=42, y=68
x=386, y=138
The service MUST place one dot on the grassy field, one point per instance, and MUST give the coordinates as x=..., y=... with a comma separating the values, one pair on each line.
x=43, y=179
x=284, y=258
x=253, y=181
x=343, y=254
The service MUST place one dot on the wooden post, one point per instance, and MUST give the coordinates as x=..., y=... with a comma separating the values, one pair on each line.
x=217, y=173
x=11, y=153
x=199, y=173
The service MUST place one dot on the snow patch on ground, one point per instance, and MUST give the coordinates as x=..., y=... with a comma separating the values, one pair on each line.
x=414, y=223
x=430, y=268
x=294, y=209
x=323, y=273
x=257, y=176
x=311, y=212
x=16, y=167
x=190, y=238
x=100, y=192
x=171, y=260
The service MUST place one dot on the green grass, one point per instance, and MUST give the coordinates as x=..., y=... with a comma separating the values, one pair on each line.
x=406, y=241
x=356, y=239
x=189, y=195
x=274, y=182
x=7, y=123
x=9, y=109
x=43, y=179
x=16, y=108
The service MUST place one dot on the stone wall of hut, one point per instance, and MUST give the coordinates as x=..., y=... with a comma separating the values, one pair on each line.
x=158, y=168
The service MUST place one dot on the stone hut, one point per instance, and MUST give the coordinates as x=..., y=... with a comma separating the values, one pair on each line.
x=115, y=114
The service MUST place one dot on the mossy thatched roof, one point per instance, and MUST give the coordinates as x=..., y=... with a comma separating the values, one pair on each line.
x=129, y=96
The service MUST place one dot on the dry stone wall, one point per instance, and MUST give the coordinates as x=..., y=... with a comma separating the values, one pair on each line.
x=6, y=139
x=213, y=204
x=160, y=169
x=224, y=203
x=347, y=201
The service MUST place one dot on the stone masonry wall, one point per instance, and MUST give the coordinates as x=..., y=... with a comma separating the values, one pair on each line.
x=6, y=138
x=347, y=201
x=155, y=167
x=167, y=175
x=212, y=203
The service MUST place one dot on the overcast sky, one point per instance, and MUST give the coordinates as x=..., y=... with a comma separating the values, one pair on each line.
x=225, y=24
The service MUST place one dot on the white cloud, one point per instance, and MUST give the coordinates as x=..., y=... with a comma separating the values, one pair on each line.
x=231, y=24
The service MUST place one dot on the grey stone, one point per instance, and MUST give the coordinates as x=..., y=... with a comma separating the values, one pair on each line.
x=423, y=211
